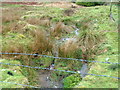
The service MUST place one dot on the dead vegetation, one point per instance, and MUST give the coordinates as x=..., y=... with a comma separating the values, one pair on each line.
x=10, y=15
x=60, y=29
x=68, y=48
x=90, y=41
x=39, y=21
x=41, y=43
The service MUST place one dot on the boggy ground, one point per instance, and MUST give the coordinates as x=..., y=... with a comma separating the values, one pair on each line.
x=74, y=32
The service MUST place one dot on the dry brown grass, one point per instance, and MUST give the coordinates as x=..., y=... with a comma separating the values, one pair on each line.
x=13, y=27
x=85, y=47
x=59, y=29
x=9, y=19
x=38, y=21
x=68, y=48
x=10, y=15
x=0, y=31
x=89, y=41
x=41, y=43
x=15, y=46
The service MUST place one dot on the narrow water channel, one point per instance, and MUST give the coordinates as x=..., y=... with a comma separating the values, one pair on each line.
x=44, y=78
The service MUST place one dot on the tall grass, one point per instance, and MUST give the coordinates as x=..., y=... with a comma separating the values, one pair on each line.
x=68, y=48
x=85, y=46
x=12, y=27
x=10, y=15
x=41, y=43
x=90, y=41
x=59, y=29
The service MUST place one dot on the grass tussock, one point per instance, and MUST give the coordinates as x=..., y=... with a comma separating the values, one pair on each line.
x=86, y=46
x=68, y=48
x=41, y=43
x=85, y=24
x=10, y=16
x=90, y=41
x=59, y=29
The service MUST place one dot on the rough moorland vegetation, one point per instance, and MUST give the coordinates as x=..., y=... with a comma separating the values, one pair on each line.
x=84, y=33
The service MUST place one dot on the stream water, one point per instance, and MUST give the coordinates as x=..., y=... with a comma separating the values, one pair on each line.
x=46, y=82
x=44, y=75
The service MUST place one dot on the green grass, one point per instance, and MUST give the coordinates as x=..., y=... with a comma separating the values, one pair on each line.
x=97, y=18
x=103, y=23
x=17, y=72
x=101, y=69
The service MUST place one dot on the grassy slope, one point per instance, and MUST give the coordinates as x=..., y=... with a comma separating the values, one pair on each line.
x=104, y=23
x=101, y=21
